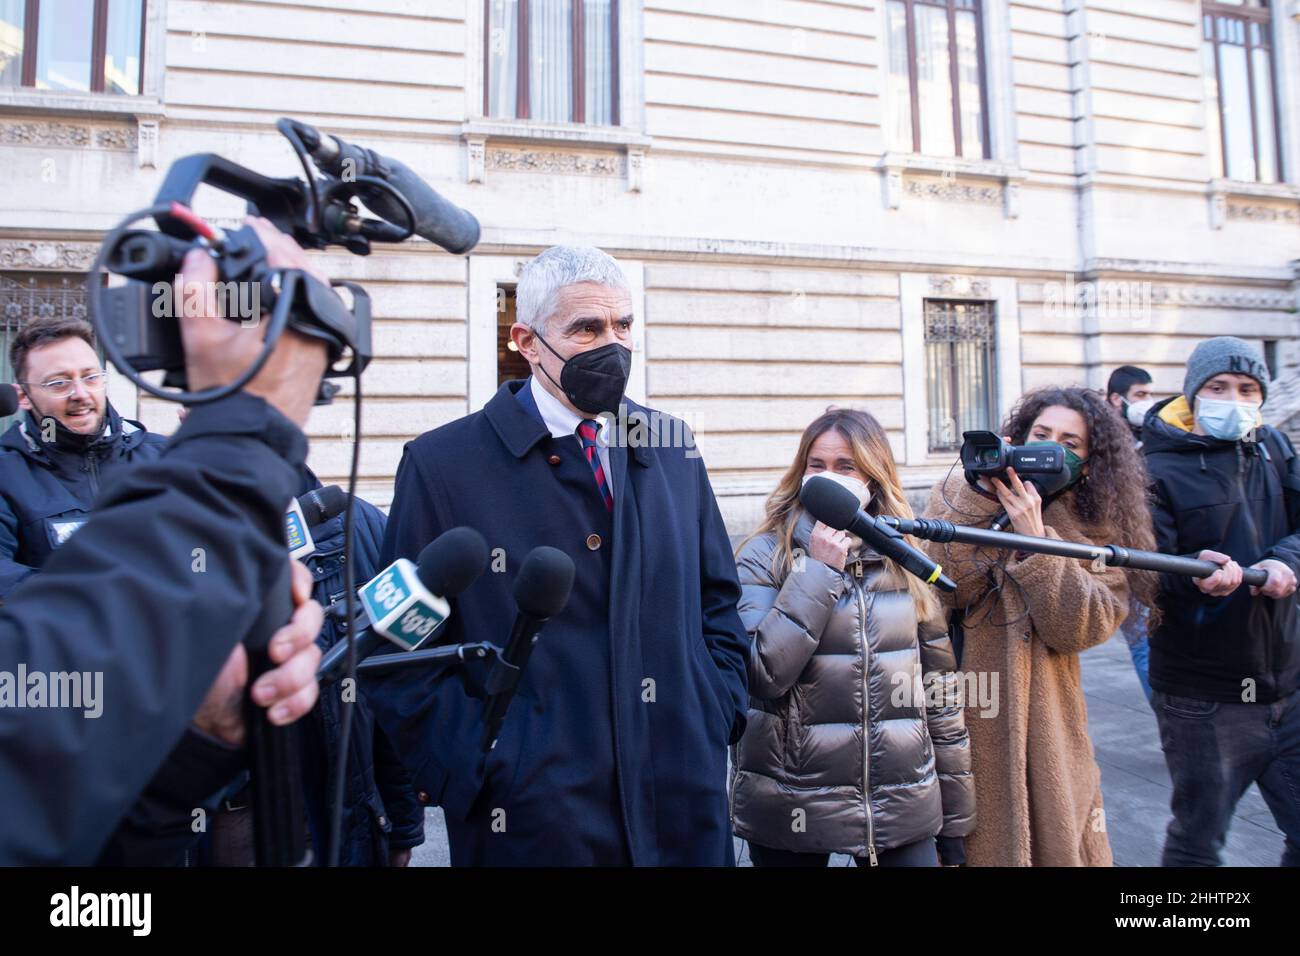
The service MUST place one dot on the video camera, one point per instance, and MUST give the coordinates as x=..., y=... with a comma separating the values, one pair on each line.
x=136, y=321
x=986, y=455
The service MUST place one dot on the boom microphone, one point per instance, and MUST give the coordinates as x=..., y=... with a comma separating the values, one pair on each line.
x=836, y=507
x=436, y=219
x=541, y=591
x=8, y=400
x=1111, y=555
x=406, y=602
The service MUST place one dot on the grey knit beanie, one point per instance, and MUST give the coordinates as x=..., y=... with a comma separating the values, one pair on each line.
x=1227, y=353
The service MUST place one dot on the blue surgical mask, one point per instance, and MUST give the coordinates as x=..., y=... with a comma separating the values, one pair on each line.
x=1229, y=421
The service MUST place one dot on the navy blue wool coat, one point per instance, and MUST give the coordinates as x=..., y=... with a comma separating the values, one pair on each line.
x=614, y=751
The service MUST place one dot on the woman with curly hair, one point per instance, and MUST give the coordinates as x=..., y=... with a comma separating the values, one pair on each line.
x=1026, y=617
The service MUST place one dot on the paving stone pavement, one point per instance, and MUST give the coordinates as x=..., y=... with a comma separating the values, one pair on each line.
x=1135, y=783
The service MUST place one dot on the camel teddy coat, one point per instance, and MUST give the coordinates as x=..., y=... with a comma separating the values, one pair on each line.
x=1037, y=786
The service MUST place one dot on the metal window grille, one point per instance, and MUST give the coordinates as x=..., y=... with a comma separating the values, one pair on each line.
x=960, y=354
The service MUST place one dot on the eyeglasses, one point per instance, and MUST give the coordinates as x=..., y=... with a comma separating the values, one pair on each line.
x=62, y=387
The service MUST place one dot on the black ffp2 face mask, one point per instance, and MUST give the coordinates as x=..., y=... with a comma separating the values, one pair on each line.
x=593, y=381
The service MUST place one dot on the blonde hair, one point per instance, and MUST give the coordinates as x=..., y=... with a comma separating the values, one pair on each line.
x=873, y=459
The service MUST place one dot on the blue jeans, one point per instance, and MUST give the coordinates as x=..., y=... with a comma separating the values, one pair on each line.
x=1215, y=751
x=1134, y=630
x=1140, y=651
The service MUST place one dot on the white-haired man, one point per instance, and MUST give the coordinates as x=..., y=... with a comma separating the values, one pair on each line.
x=614, y=750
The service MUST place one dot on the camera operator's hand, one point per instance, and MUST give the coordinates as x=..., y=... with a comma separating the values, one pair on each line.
x=217, y=350
x=1023, y=504
x=829, y=546
x=1281, y=580
x=1223, y=581
x=289, y=690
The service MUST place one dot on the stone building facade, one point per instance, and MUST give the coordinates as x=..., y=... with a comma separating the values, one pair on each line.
x=919, y=207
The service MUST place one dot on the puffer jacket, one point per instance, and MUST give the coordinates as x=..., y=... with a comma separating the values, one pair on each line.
x=47, y=489
x=841, y=753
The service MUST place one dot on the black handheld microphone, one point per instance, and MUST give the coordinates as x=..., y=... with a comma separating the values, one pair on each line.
x=541, y=591
x=321, y=504
x=310, y=511
x=436, y=219
x=447, y=566
x=8, y=400
x=837, y=507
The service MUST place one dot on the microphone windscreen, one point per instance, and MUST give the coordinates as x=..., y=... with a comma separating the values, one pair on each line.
x=544, y=582
x=829, y=502
x=321, y=504
x=8, y=400
x=436, y=219
x=452, y=561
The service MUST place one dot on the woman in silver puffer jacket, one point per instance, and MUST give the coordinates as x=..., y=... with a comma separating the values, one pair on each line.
x=855, y=741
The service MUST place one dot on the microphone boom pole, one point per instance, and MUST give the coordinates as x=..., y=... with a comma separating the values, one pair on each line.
x=1112, y=555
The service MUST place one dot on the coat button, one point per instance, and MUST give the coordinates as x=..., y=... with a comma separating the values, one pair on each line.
x=554, y=459
x=383, y=821
x=593, y=542
x=422, y=797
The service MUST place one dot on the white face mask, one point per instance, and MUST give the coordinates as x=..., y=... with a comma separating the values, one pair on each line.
x=1230, y=421
x=854, y=485
x=1137, y=412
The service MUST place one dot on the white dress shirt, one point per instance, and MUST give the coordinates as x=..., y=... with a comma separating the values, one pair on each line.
x=561, y=421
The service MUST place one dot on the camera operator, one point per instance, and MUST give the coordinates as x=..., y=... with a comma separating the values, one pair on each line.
x=159, y=829
x=151, y=595
x=1225, y=664
x=69, y=444
x=1028, y=616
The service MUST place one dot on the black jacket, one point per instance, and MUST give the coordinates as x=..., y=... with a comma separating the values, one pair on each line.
x=47, y=488
x=125, y=598
x=381, y=811
x=615, y=747
x=1228, y=497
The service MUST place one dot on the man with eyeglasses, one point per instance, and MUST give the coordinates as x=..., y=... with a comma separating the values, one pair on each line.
x=66, y=445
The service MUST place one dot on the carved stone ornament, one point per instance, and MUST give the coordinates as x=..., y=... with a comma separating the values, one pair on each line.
x=948, y=189
x=958, y=285
x=28, y=254
x=556, y=162
x=1256, y=212
x=1223, y=298
x=476, y=157
x=68, y=135
x=147, y=154
x=635, y=168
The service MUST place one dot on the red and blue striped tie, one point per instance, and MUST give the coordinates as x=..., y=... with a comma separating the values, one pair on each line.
x=587, y=429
